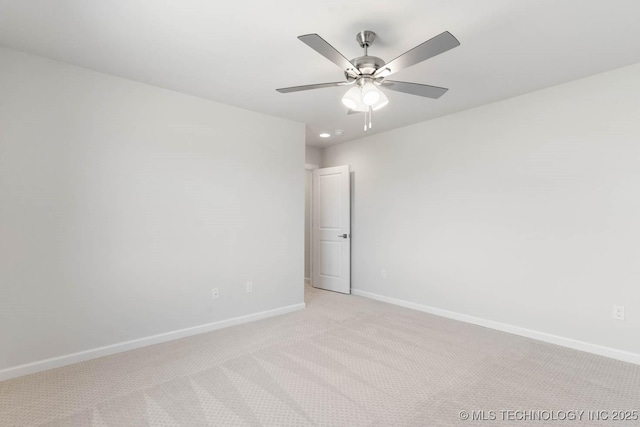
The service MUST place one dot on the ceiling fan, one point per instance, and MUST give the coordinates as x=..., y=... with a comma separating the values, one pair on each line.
x=368, y=73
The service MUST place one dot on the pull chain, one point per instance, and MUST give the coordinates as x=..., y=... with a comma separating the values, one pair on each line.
x=368, y=114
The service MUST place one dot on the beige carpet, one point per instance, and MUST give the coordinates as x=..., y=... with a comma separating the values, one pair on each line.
x=344, y=361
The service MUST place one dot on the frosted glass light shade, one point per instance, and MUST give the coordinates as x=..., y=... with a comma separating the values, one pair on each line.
x=381, y=102
x=370, y=94
x=351, y=99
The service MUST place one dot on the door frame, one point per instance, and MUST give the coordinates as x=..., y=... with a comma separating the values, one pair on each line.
x=308, y=167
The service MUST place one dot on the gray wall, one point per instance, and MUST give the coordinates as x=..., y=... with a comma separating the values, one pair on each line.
x=122, y=205
x=526, y=211
x=313, y=155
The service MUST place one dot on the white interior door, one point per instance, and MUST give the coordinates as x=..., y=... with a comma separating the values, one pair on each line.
x=331, y=267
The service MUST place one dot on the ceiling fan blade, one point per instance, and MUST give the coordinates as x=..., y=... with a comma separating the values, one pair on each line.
x=350, y=112
x=432, y=47
x=310, y=87
x=427, y=91
x=318, y=44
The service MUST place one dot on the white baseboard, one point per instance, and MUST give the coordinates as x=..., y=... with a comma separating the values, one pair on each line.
x=612, y=353
x=57, y=362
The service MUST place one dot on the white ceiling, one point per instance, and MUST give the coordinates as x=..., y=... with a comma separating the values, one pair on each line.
x=239, y=52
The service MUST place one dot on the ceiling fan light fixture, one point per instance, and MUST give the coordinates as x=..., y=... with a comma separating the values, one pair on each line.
x=370, y=94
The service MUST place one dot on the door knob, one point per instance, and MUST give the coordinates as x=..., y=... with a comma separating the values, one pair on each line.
x=344, y=236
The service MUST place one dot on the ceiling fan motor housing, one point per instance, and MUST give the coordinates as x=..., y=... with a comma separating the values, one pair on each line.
x=367, y=65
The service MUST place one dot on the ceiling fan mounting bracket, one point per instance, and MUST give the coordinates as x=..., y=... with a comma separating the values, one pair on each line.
x=365, y=38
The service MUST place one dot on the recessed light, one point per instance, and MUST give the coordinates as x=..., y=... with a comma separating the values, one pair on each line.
x=339, y=132
x=325, y=135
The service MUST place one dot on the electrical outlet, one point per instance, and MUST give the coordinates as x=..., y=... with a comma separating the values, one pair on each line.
x=618, y=312
x=214, y=293
x=249, y=287
x=383, y=273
